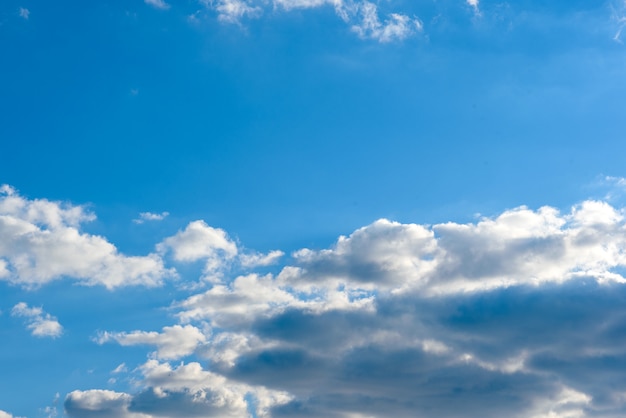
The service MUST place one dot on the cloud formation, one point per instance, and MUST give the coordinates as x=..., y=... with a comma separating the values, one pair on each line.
x=40, y=324
x=519, y=315
x=362, y=16
x=41, y=241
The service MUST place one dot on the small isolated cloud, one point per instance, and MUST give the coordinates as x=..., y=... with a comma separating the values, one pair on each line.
x=158, y=4
x=173, y=343
x=24, y=13
x=120, y=369
x=40, y=324
x=150, y=217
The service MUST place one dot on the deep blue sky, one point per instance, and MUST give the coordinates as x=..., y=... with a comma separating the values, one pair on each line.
x=286, y=127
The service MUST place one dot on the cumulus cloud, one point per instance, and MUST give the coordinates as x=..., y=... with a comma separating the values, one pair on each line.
x=174, y=342
x=5, y=414
x=362, y=16
x=40, y=324
x=158, y=4
x=183, y=391
x=198, y=241
x=41, y=241
x=520, y=315
x=150, y=217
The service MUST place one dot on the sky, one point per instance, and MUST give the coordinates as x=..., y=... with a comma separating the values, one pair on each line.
x=312, y=208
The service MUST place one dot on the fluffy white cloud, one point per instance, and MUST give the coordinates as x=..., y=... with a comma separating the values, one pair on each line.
x=5, y=415
x=198, y=241
x=41, y=241
x=40, y=324
x=158, y=4
x=174, y=342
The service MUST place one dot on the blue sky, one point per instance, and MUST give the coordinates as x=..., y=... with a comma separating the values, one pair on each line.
x=312, y=208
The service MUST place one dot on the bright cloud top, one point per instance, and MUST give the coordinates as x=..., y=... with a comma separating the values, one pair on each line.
x=499, y=317
x=41, y=241
x=40, y=324
x=362, y=16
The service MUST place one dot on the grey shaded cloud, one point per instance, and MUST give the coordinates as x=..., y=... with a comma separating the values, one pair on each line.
x=519, y=315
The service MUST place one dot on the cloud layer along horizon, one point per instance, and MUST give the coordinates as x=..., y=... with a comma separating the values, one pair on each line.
x=520, y=315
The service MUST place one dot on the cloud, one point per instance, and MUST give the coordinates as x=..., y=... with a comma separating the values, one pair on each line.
x=198, y=241
x=149, y=216
x=24, y=13
x=183, y=391
x=174, y=342
x=255, y=259
x=232, y=11
x=361, y=15
x=5, y=414
x=522, y=314
x=41, y=241
x=396, y=27
x=40, y=323
x=100, y=404
x=474, y=5
x=158, y=4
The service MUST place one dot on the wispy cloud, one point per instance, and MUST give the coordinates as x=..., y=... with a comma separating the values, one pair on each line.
x=158, y=4
x=150, y=217
x=40, y=324
x=24, y=13
x=362, y=16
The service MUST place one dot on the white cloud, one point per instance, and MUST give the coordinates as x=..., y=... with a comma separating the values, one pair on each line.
x=396, y=27
x=149, y=216
x=474, y=4
x=99, y=403
x=5, y=414
x=174, y=342
x=232, y=11
x=41, y=241
x=24, y=13
x=158, y=4
x=361, y=15
x=201, y=242
x=40, y=323
x=253, y=260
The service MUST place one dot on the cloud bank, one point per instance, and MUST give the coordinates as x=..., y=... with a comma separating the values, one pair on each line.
x=521, y=315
